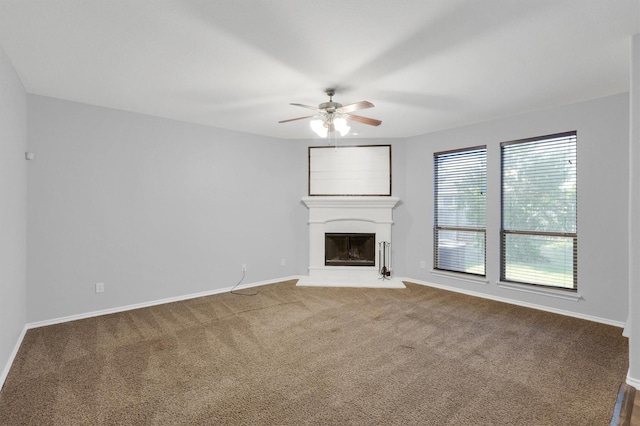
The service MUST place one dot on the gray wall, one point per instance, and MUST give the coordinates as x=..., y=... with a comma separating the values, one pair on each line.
x=603, y=136
x=144, y=205
x=153, y=208
x=13, y=213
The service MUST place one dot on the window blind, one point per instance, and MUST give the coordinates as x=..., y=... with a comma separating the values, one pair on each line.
x=460, y=210
x=539, y=211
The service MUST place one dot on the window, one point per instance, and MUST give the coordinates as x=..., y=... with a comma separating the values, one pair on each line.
x=460, y=210
x=539, y=211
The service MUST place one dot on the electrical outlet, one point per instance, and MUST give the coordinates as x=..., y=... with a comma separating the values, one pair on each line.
x=423, y=264
x=283, y=262
x=244, y=267
x=99, y=287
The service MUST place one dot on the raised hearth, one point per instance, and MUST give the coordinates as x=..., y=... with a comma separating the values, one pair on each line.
x=349, y=216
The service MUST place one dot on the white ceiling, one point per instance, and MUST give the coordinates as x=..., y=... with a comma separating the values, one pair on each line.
x=426, y=64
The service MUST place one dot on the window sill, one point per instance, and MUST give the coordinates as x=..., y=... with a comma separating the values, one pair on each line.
x=559, y=294
x=461, y=277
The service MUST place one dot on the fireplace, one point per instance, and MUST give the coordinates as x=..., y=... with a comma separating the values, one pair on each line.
x=345, y=236
x=349, y=249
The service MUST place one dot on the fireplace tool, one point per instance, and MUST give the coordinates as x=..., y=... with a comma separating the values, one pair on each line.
x=384, y=259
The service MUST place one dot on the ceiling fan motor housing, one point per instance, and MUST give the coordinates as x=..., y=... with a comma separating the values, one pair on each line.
x=329, y=106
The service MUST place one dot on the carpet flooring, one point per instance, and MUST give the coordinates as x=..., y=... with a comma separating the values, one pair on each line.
x=319, y=356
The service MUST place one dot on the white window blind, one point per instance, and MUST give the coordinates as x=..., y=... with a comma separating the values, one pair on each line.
x=539, y=211
x=460, y=210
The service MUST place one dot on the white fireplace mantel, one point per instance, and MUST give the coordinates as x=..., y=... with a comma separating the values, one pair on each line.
x=346, y=214
x=355, y=202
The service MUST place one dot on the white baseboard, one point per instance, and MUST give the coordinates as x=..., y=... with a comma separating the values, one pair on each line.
x=633, y=382
x=5, y=372
x=28, y=326
x=620, y=324
x=7, y=367
x=293, y=277
x=152, y=303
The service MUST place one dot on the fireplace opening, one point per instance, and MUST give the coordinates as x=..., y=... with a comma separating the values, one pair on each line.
x=342, y=249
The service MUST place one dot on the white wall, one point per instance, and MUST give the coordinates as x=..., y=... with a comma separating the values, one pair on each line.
x=13, y=211
x=153, y=208
x=603, y=135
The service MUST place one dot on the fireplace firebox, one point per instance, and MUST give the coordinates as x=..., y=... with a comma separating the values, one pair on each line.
x=349, y=249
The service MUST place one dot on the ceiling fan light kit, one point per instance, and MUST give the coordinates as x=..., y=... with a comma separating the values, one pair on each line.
x=332, y=116
x=335, y=121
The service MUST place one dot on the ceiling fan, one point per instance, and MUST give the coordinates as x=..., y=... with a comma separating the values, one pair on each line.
x=332, y=116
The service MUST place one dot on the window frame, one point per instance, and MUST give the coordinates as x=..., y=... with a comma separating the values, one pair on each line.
x=504, y=233
x=437, y=228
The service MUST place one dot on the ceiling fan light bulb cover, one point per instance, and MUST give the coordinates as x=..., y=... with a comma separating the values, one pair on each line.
x=341, y=125
x=319, y=128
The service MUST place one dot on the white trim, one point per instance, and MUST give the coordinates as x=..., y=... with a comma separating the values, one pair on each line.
x=560, y=294
x=460, y=276
x=340, y=201
x=619, y=324
x=627, y=326
x=633, y=382
x=16, y=348
x=152, y=303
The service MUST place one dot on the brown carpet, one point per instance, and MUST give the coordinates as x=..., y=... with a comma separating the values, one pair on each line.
x=319, y=356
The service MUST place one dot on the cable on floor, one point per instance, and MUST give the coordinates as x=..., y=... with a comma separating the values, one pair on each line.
x=238, y=283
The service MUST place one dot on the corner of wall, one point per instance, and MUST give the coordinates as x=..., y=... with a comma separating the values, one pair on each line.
x=13, y=217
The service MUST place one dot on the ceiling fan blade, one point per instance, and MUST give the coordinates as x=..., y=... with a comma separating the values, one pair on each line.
x=354, y=107
x=306, y=106
x=297, y=118
x=365, y=120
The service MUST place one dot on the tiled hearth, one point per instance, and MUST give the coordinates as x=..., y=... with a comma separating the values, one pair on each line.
x=342, y=214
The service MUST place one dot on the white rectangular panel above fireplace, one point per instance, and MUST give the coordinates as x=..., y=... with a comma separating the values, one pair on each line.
x=348, y=215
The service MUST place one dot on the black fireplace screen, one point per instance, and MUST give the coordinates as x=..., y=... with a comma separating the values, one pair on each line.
x=349, y=249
